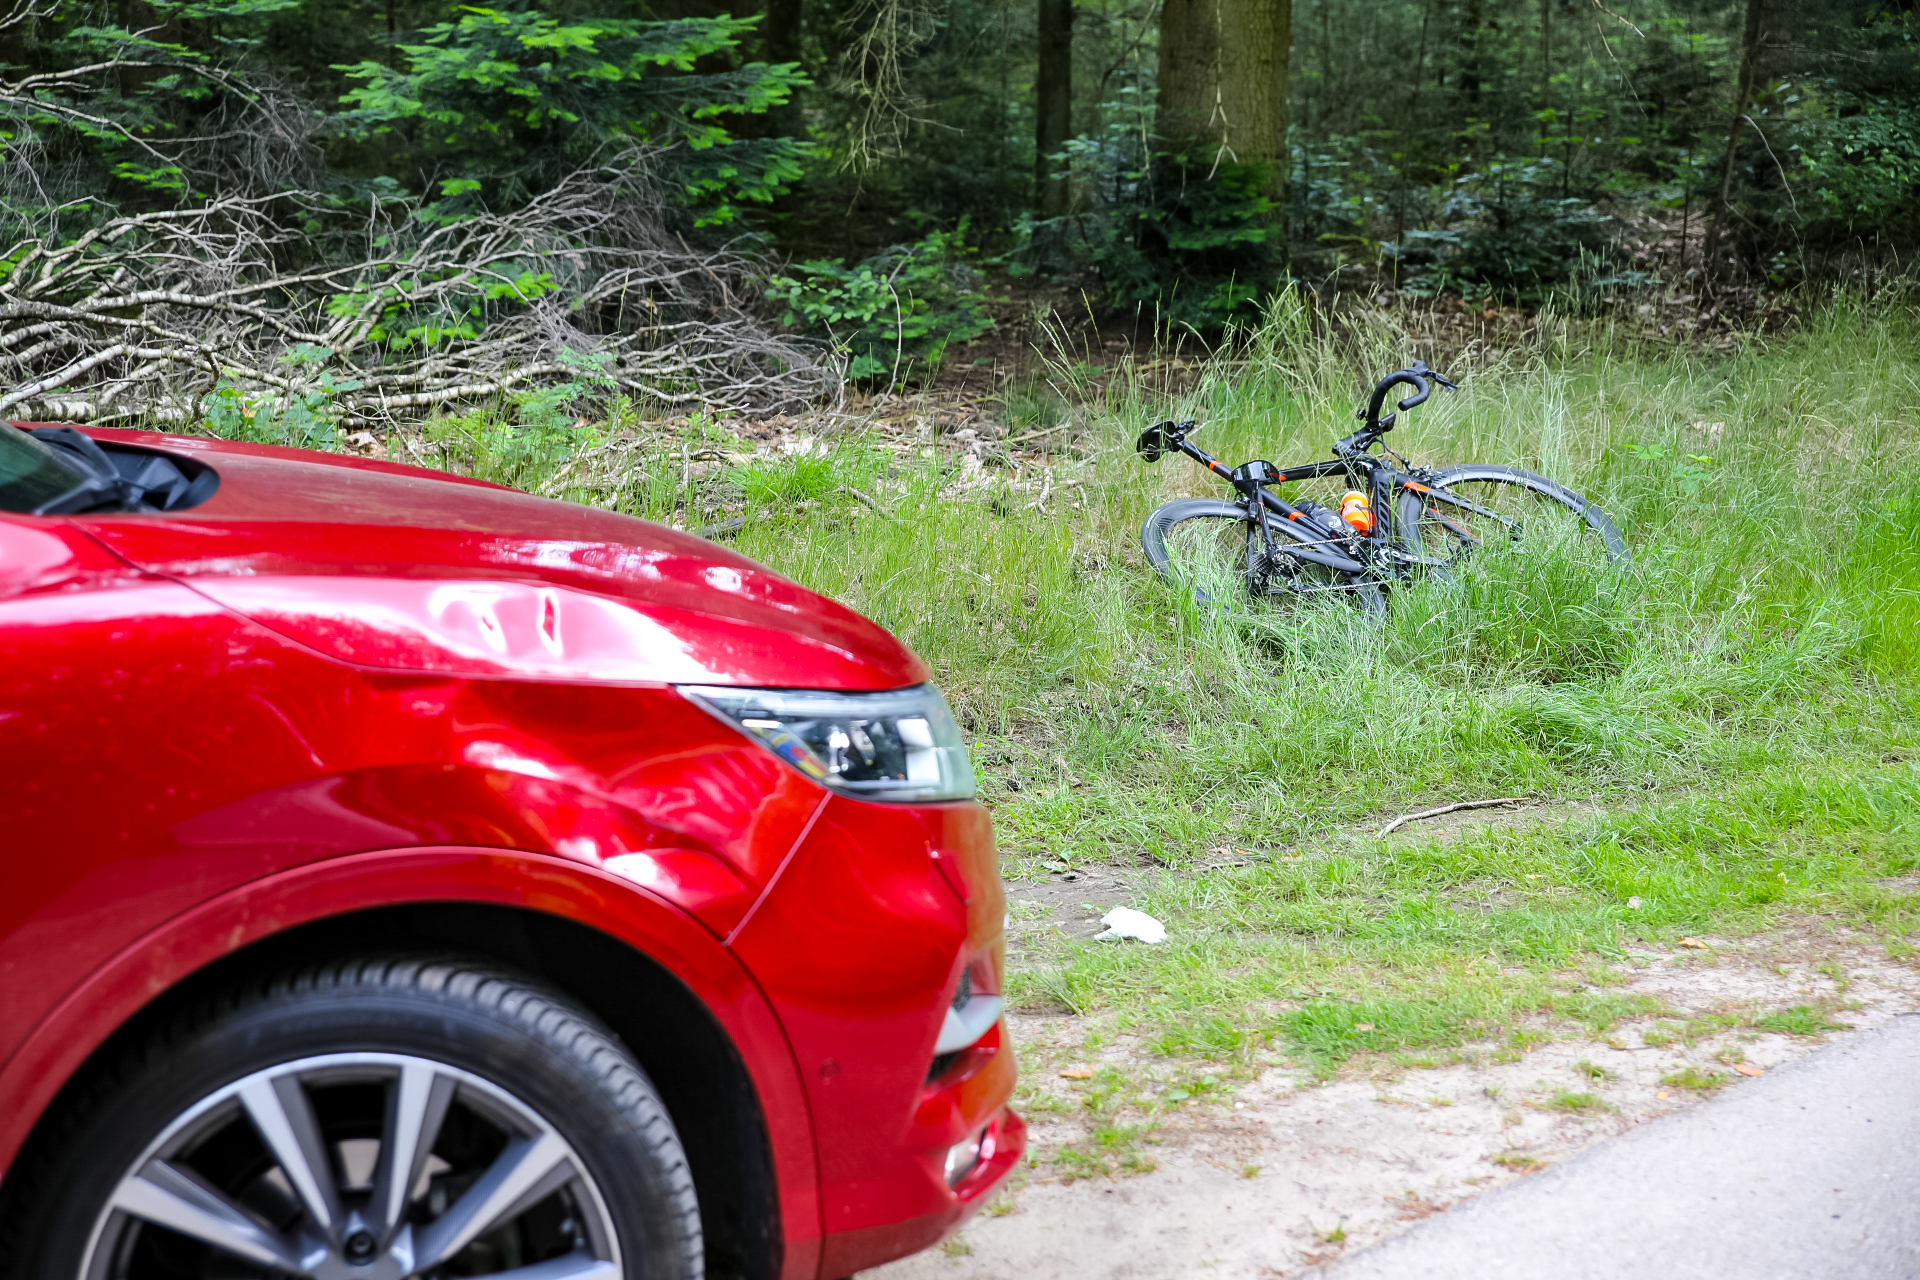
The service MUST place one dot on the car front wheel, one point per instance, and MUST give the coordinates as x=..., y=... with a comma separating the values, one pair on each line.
x=371, y=1121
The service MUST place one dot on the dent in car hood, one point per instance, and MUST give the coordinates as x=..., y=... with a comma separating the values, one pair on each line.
x=390, y=566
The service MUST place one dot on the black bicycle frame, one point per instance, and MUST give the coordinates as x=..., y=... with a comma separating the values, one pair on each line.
x=1351, y=458
x=1383, y=484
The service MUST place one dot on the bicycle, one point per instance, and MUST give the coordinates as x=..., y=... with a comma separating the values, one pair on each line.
x=1413, y=520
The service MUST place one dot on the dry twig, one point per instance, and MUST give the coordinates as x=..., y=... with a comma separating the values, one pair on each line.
x=1391, y=827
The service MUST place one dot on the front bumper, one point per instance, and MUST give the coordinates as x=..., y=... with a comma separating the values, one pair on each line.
x=860, y=945
x=855, y=1250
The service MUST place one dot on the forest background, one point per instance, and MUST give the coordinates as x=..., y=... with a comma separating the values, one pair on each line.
x=375, y=209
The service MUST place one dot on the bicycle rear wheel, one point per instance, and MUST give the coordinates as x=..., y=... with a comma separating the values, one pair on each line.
x=1215, y=552
x=1523, y=505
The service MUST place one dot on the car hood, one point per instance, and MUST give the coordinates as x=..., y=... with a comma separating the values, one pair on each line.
x=404, y=568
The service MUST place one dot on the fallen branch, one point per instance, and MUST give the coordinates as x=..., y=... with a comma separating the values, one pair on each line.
x=866, y=498
x=1391, y=827
x=144, y=317
x=734, y=525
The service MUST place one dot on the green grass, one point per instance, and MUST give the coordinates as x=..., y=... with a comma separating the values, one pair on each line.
x=1518, y=1161
x=1694, y=1078
x=1577, y=1103
x=1801, y=1020
x=1735, y=714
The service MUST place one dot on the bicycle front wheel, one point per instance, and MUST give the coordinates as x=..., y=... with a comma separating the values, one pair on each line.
x=1512, y=504
x=1212, y=550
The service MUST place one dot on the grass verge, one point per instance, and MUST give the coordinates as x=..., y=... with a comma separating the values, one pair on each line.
x=1730, y=723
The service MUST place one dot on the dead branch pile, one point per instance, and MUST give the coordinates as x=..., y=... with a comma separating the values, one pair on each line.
x=387, y=313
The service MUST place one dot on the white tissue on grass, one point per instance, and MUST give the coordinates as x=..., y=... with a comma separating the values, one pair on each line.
x=1125, y=922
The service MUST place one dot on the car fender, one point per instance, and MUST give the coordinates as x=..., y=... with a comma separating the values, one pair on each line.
x=173, y=951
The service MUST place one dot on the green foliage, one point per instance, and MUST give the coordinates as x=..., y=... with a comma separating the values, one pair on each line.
x=1503, y=232
x=1689, y=473
x=116, y=134
x=1865, y=167
x=1882, y=580
x=895, y=312
x=1188, y=238
x=509, y=100
x=1851, y=119
x=1196, y=242
x=800, y=479
x=303, y=417
x=542, y=429
x=485, y=109
x=1498, y=151
x=1328, y=1032
x=783, y=482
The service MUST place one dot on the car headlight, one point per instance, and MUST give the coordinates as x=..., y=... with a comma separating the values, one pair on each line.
x=902, y=745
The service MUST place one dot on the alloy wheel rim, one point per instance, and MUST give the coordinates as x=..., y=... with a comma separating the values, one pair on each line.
x=356, y=1166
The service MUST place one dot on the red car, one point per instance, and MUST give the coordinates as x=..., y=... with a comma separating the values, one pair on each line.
x=405, y=876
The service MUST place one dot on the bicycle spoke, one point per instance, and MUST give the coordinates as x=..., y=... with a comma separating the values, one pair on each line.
x=1451, y=519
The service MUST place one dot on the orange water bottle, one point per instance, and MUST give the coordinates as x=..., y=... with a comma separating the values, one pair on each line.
x=1357, y=511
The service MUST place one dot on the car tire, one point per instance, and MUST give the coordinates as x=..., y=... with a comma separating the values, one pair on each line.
x=498, y=1088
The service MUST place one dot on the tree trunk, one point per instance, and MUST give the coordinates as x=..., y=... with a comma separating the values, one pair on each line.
x=782, y=30
x=1742, y=98
x=1053, y=110
x=1472, y=19
x=1546, y=68
x=1223, y=81
x=1255, y=39
x=1188, y=40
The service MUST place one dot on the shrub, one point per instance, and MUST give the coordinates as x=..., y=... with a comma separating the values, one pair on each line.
x=899, y=309
x=1199, y=244
x=1504, y=233
x=498, y=104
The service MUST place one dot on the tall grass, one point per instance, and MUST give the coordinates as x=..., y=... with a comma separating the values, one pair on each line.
x=1753, y=671
x=1768, y=496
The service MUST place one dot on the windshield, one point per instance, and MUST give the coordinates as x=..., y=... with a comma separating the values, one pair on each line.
x=30, y=473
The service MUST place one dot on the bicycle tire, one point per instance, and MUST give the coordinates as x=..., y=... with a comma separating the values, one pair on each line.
x=1158, y=531
x=1430, y=535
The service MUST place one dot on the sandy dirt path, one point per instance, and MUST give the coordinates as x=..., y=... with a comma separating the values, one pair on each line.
x=1284, y=1174
x=1805, y=1174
